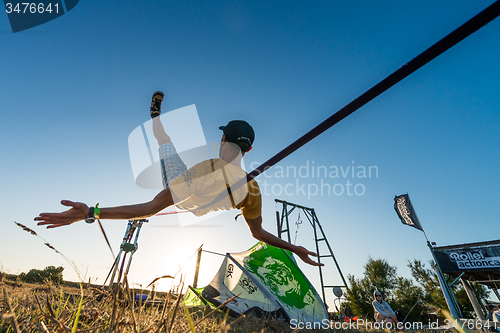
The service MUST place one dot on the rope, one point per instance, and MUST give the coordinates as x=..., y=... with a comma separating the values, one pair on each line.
x=456, y=36
x=219, y=254
x=432, y=52
x=172, y=212
x=105, y=237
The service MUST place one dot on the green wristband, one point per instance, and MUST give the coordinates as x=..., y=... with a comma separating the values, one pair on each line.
x=97, y=211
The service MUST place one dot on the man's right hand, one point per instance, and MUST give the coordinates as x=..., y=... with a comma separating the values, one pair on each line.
x=77, y=212
x=304, y=254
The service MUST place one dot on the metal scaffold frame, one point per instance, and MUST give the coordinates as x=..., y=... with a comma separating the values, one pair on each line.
x=284, y=227
x=126, y=248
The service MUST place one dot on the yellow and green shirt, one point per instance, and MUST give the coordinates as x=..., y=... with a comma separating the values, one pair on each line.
x=196, y=188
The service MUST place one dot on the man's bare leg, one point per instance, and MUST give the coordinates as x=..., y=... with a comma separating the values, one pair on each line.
x=159, y=132
x=170, y=163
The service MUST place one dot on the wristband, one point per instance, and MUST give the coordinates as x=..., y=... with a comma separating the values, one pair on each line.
x=97, y=211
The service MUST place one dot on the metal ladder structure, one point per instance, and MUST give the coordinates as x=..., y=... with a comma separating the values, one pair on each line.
x=284, y=227
x=127, y=247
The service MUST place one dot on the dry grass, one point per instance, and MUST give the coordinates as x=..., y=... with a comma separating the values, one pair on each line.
x=48, y=308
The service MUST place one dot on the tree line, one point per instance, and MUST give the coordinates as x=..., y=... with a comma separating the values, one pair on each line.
x=49, y=273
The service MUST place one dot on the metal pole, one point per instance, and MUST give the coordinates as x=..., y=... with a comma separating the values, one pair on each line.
x=295, y=205
x=132, y=226
x=330, y=249
x=283, y=214
x=458, y=278
x=198, y=260
x=136, y=245
x=473, y=299
x=278, y=224
x=288, y=225
x=127, y=248
x=118, y=256
x=447, y=297
x=447, y=292
x=319, y=260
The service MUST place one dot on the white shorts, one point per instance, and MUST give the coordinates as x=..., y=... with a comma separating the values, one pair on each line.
x=170, y=163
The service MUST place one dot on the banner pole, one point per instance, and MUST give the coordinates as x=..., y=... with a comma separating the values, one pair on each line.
x=445, y=288
x=406, y=212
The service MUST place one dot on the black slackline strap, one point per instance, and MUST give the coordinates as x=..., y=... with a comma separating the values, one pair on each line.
x=456, y=36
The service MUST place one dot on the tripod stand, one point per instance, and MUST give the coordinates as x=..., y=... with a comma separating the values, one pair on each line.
x=134, y=226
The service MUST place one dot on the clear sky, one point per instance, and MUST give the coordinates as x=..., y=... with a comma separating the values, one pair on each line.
x=72, y=91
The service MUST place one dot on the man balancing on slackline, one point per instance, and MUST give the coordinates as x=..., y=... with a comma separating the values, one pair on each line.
x=194, y=189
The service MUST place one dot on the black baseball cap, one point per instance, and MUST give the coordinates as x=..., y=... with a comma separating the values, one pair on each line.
x=240, y=133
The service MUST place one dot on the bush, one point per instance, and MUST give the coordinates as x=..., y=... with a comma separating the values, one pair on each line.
x=50, y=273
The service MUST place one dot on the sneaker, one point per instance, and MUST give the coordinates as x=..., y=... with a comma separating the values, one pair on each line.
x=156, y=104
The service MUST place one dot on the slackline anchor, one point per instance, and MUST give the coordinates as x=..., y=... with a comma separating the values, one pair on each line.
x=310, y=214
x=126, y=248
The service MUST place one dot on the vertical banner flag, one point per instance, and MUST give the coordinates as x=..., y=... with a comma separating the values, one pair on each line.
x=406, y=213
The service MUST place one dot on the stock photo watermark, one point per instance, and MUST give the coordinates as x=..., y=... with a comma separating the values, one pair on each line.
x=24, y=15
x=313, y=180
x=155, y=164
x=326, y=324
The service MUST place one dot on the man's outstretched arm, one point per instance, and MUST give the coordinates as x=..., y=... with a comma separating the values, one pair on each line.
x=259, y=233
x=79, y=211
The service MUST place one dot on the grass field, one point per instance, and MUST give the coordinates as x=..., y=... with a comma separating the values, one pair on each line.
x=76, y=307
x=48, y=308
x=80, y=307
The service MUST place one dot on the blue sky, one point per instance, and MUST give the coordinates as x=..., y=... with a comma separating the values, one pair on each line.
x=72, y=90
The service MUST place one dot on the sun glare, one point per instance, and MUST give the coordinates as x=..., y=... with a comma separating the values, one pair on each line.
x=181, y=264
